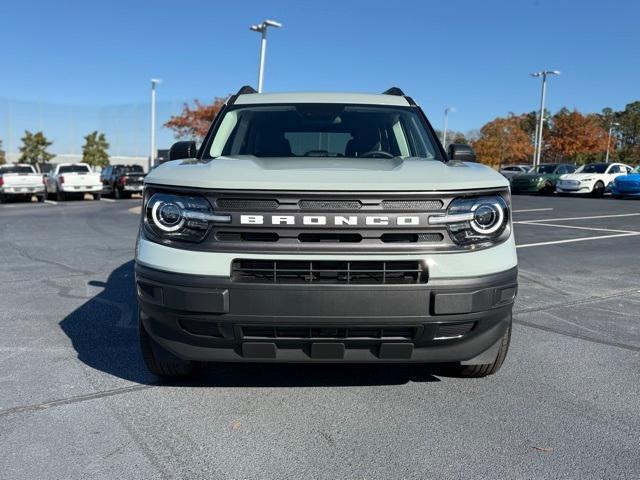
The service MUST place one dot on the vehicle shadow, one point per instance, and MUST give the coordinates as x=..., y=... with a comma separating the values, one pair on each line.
x=104, y=333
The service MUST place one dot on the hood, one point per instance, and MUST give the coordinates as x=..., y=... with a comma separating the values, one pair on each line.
x=578, y=176
x=530, y=176
x=326, y=173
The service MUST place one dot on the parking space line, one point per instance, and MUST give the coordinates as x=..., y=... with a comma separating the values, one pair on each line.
x=50, y=202
x=110, y=200
x=572, y=240
x=532, y=210
x=579, y=218
x=575, y=227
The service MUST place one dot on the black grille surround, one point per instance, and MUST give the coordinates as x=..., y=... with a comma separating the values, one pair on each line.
x=344, y=238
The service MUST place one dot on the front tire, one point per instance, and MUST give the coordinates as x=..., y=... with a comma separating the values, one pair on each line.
x=598, y=189
x=159, y=360
x=482, y=370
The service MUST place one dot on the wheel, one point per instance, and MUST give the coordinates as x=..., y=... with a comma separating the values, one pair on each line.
x=60, y=196
x=548, y=188
x=97, y=196
x=598, y=189
x=160, y=361
x=482, y=370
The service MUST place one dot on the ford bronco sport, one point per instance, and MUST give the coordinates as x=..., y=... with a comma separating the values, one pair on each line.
x=317, y=227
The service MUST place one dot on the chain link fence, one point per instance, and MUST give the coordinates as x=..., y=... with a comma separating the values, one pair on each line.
x=127, y=127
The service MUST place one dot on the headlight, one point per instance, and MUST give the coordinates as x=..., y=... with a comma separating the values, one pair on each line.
x=477, y=221
x=587, y=179
x=180, y=217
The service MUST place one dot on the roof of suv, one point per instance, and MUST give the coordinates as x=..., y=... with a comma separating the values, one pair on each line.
x=318, y=97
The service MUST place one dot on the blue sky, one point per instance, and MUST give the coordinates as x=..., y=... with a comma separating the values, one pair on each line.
x=474, y=55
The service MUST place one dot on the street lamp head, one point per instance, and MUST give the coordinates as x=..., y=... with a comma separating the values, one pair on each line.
x=272, y=23
x=256, y=28
x=155, y=81
x=553, y=72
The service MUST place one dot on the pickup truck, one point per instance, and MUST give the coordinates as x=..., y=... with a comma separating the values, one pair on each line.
x=122, y=181
x=324, y=228
x=20, y=181
x=68, y=180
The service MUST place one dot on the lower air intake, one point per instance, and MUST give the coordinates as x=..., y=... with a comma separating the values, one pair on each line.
x=328, y=272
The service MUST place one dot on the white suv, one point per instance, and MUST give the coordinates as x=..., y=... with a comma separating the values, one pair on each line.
x=316, y=227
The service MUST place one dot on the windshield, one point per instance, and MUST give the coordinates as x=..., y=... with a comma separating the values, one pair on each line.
x=74, y=169
x=323, y=130
x=544, y=169
x=131, y=169
x=594, y=168
x=15, y=169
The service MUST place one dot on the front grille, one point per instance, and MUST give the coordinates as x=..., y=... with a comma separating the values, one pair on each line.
x=328, y=272
x=247, y=204
x=410, y=205
x=328, y=205
x=329, y=333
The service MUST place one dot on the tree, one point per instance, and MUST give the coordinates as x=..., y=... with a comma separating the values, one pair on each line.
x=34, y=148
x=576, y=137
x=629, y=132
x=193, y=123
x=2, y=157
x=503, y=141
x=452, y=137
x=94, y=150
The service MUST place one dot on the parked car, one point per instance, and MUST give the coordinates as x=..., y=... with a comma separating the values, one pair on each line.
x=627, y=185
x=68, y=180
x=511, y=171
x=324, y=227
x=540, y=179
x=122, y=180
x=593, y=178
x=20, y=180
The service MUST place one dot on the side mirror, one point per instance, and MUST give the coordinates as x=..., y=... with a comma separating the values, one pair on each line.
x=461, y=152
x=180, y=150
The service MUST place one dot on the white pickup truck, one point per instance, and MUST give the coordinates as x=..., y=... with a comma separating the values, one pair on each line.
x=20, y=180
x=72, y=179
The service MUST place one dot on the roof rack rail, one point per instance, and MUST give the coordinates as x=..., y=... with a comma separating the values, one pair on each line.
x=394, y=91
x=246, y=89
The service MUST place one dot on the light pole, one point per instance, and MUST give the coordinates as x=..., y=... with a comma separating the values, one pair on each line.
x=613, y=124
x=152, y=156
x=538, y=144
x=262, y=29
x=444, y=128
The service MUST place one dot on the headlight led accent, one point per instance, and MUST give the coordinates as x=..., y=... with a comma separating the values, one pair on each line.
x=476, y=221
x=180, y=217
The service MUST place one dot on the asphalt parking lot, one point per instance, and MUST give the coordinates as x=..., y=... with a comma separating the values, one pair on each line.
x=77, y=402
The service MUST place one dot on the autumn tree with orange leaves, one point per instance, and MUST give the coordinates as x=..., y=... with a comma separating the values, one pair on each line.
x=503, y=141
x=194, y=122
x=576, y=137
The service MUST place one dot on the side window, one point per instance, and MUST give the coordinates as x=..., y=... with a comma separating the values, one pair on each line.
x=614, y=169
x=629, y=169
x=570, y=168
x=561, y=170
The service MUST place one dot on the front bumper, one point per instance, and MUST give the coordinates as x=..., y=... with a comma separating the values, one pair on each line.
x=526, y=187
x=624, y=191
x=211, y=318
